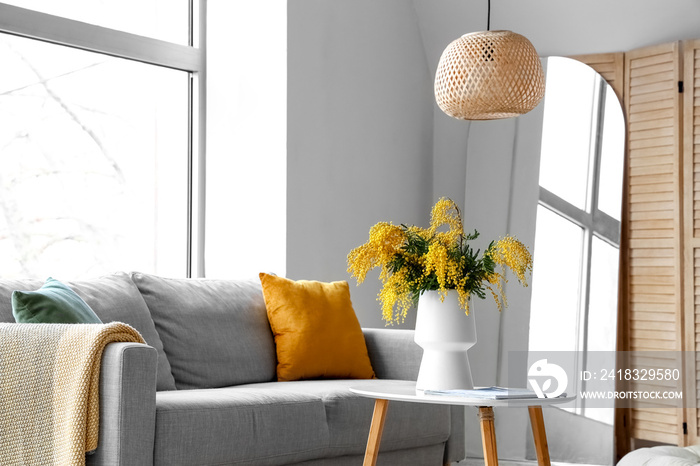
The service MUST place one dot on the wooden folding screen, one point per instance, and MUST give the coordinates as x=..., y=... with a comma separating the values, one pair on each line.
x=691, y=231
x=653, y=223
x=654, y=251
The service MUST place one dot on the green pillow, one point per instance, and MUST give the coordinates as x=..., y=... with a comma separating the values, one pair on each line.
x=53, y=303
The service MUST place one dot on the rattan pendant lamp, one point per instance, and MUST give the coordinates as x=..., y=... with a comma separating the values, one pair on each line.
x=489, y=75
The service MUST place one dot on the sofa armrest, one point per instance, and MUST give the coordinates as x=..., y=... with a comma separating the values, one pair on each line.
x=127, y=406
x=393, y=353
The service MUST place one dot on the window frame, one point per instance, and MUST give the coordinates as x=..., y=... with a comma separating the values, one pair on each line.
x=190, y=58
x=592, y=221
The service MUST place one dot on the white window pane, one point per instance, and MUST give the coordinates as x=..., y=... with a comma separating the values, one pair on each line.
x=602, y=307
x=555, y=283
x=602, y=316
x=161, y=19
x=94, y=158
x=566, y=131
x=612, y=157
x=246, y=140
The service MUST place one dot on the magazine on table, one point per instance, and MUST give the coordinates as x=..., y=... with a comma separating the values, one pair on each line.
x=488, y=393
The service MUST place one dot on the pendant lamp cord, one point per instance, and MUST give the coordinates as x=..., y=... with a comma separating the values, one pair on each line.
x=488, y=17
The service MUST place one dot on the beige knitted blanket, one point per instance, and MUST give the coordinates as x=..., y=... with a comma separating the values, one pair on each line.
x=49, y=383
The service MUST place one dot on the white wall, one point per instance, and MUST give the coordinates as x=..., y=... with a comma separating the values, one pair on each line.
x=246, y=143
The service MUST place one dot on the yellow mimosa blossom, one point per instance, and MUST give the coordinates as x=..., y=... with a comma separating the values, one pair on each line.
x=446, y=212
x=385, y=240
x=413, y=260
x=463, y=299
x=422, y=232
x=395, y=293
x=498, y=296
x=511, y=253
x=437, y=261
x=446, y=269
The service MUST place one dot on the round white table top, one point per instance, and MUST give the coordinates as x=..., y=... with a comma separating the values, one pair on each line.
x=405, y=390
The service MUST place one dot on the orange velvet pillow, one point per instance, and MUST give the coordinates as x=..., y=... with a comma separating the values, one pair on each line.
x=316, y=331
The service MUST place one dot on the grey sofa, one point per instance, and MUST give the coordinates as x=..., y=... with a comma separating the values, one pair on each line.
x=204, y=390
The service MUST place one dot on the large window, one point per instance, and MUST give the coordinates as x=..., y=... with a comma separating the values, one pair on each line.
x=99, y=139
x=246, y=138
x=574, y=294
x=167, y=20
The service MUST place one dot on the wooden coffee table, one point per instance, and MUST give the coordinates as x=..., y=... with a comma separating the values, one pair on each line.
x=400, y=390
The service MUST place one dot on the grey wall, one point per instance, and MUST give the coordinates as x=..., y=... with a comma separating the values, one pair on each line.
x=569, y=27
x=367, y=143
x=359, y=133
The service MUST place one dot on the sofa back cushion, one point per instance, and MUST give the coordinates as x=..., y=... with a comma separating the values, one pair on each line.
x=114, y=298
x=6, y=289
x=215, y=332
x=53, y=303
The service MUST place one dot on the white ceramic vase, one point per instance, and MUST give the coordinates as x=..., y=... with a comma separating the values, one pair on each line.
x=445, y=333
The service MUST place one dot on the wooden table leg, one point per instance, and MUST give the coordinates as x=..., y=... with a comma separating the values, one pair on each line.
x=375, y=432
x=488, y=436
x=537, y=422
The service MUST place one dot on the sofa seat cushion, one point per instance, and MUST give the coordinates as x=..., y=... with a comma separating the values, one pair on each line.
x=663, y=456
x=222, y=426
x=285, y=422
x=349, y=416
x=214, y=332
